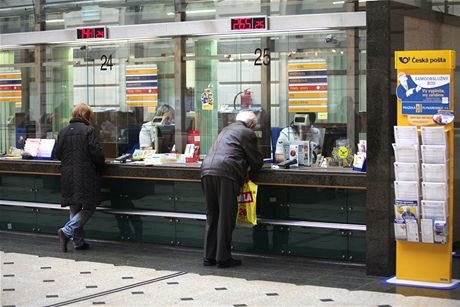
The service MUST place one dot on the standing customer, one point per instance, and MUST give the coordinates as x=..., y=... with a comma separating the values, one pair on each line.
x=223, y=172
x=82, y=159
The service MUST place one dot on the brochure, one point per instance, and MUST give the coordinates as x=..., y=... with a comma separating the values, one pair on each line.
x=434, y=172
x=434, y=210
x=440, y=232
x=406, y=153
x=434, y=190
x=406, y=171
x=406, y=135
x=433, y=136
x=412, y=230
x=427, y=230
x=407, y=190
x=434, y=154
x=400, y=229
x=406, y=209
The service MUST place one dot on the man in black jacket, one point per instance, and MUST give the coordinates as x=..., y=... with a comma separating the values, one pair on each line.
x=82, y=159
x=223, y=172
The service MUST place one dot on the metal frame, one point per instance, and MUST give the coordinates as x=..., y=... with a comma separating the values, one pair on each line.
x=292, y=23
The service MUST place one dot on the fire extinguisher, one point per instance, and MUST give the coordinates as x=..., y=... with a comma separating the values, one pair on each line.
x=246, y=99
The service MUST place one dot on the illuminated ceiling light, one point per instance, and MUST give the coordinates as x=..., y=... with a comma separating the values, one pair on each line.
x=54, y=21
x=334, y=51
x=341, y=52
x=195, y=12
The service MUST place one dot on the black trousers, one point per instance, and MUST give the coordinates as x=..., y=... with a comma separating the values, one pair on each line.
x=221, y=208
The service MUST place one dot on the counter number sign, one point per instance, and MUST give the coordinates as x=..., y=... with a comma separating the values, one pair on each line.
x=248, y=23
x=92, y=33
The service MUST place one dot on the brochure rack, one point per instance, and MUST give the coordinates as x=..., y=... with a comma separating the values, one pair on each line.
x=424, y=169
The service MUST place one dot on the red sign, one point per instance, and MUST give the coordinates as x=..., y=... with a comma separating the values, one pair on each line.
x=248, y=23
x=92, y=33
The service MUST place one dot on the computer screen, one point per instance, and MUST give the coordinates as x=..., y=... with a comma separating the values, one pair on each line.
x=165, y=138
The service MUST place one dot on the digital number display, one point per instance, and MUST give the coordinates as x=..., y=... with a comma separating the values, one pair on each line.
x=91, y=33
x=248, y=23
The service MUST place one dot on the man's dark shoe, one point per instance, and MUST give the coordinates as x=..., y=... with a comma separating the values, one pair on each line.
x=209, y=262
x=82, y=247
x=228, y=263
x=63, y=240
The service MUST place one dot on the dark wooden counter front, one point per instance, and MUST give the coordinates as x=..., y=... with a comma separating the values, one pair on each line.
x=303, y=177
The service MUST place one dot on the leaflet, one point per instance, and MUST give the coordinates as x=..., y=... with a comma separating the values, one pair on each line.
x=31, y=146
x=412, y=230
x=45, y=148
x=400, y=229
x=406, y=153
x=406, y=209
x=434, y=154
x=440, y=232
x=434, y=172
x=406, y=135
x=406, y=171
x=427, y=230
x=434, y=210
x=434, y=190
x=433, y=136
x=408, y=190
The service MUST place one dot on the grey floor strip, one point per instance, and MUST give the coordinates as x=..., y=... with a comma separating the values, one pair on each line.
x=142, y=283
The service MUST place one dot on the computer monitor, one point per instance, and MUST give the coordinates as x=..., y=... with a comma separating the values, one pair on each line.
x=164, y=141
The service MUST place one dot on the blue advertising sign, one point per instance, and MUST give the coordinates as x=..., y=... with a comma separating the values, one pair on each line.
x=423, y=94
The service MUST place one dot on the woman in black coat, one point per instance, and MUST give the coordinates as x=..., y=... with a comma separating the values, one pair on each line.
x=82, y=159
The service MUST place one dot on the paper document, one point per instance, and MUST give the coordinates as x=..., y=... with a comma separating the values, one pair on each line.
x=434, y=154
x=440, y=232
x=407, y=190
x=433, y=136
x=45, y=149
x=406, y=171
x=434, y=191
x=31, y=146
x=434, y=209
x=434, y=172
x=412, y=230
x=406, y=209
x=406, y=153
x=426, y=226
x=406, y=135
x=400, y=229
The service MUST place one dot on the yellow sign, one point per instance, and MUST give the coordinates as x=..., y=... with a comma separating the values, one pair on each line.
x=429, y=59
x=343, y=152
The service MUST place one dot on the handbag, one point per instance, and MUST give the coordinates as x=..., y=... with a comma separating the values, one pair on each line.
x=247, y=204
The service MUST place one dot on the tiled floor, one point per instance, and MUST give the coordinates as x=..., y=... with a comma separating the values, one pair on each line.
x=35, y=273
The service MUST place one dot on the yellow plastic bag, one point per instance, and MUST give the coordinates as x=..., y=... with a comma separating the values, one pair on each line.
x=247, y=204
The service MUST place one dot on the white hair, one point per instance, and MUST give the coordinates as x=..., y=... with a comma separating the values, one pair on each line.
x=248, y=117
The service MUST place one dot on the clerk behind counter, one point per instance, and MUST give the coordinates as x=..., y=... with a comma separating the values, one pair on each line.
x=300, y=129
x=165, y=116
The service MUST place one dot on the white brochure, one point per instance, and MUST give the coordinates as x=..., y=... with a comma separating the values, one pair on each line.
x=434, y=210
x=434, y=190
x=400, y=230
x=434, y=172
x=406, y=171
x=434, y=154
x=406, y=153
x=433, y=136
x=440, y=232
x=412, y=230
x=406, y=135
x=407, y=190
x=426, y=226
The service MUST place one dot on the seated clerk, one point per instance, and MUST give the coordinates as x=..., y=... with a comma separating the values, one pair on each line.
x=299, y=132
x=148, y=131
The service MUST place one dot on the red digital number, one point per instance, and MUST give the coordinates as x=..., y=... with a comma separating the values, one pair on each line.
x=259, y=24
x=247, y=23
x=87, y=33
x=99, y=33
